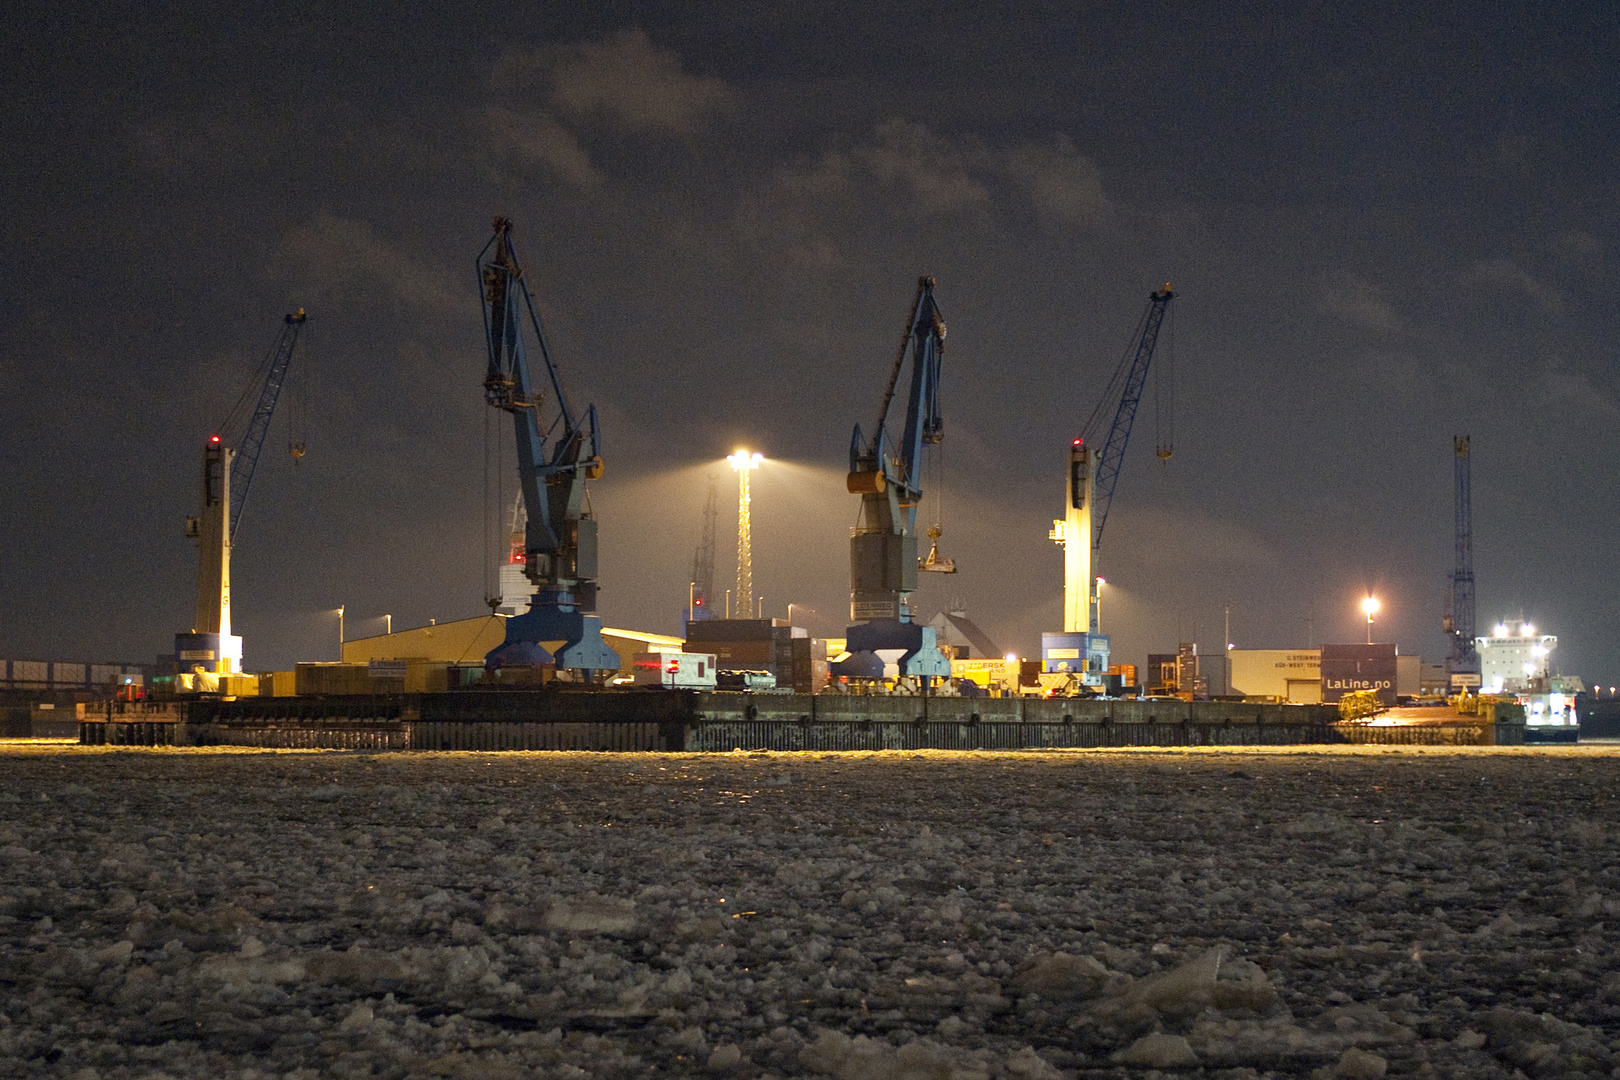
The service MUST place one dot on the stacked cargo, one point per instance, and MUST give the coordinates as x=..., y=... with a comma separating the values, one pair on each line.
x=340, y=680
x=786, y=651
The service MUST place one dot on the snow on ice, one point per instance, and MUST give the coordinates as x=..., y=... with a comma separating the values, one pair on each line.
x=914, y=916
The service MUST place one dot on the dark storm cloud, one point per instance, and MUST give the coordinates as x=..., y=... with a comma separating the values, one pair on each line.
x=1384, y=226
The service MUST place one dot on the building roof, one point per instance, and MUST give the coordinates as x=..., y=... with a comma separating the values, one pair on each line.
x=956, y=629
x=465, y=641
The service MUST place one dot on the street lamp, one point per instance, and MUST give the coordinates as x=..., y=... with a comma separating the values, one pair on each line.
x=1369, y=605
x=340, y=631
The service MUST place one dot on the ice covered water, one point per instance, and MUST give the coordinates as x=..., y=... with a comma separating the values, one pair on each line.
x=259, y=914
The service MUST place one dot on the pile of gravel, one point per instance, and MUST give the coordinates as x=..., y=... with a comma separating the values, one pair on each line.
x=1329, y=913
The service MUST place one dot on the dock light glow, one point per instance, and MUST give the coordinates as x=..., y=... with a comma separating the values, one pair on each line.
x=744, y=463
x=1369, y=605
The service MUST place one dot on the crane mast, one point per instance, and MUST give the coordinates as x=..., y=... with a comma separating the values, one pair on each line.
x=557, y=451
x=887, y=475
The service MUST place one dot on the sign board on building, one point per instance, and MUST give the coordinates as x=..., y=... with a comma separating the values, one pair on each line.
x=1358, y=667
x=1277, y=674
x=1462, y=680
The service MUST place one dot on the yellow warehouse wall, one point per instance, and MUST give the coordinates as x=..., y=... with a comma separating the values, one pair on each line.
x=465, y=641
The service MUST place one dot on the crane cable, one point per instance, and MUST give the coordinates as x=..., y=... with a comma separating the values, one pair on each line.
x=489, y=510
x=300, y=377
x=1164, y=397
x=1116, y=383
x=249, y=390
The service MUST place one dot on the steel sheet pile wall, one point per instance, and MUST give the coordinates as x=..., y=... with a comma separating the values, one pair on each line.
x=483, y=720
x=833, y=722
x=470, y=720
x=682, y=720
x=355, y=723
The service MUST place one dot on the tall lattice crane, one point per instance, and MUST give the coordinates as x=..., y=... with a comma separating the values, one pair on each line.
x=559, y=532
x=1463, y=662
x=1089, y=485
x=227, y=474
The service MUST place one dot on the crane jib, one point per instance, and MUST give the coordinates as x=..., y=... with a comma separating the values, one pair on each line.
x=247, y=455
x=1119, y=434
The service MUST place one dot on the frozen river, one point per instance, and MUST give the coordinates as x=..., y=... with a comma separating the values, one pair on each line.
x=1307, y=912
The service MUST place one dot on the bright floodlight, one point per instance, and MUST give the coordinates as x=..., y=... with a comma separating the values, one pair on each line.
x=1529, y=631
x=1370, y=604
x=1011, y=658
x=744, y=463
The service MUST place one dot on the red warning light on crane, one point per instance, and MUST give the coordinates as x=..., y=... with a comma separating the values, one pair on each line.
x=213, y=438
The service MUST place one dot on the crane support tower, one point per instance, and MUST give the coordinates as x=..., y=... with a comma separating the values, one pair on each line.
x=1462, y=664
x=559, y=534
x=883, y=640
x=1089, y=485
x=227, y=473
x=699, y=605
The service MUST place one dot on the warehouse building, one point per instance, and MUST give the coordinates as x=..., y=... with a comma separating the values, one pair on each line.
x=1297, y=676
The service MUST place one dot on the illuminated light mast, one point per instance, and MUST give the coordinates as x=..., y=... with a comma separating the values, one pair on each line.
x=744, y=463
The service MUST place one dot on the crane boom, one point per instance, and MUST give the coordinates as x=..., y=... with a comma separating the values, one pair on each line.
x=247, y=454
x=1113, y=451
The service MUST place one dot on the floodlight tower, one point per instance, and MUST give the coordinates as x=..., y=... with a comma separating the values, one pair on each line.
x=745, y=463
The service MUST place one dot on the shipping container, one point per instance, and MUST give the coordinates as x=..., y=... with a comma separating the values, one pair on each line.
x=684, y=670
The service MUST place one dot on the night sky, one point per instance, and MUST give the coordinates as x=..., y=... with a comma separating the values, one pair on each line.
x=1386, y=224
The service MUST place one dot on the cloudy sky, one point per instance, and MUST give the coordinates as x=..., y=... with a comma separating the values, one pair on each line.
x=1386, y=224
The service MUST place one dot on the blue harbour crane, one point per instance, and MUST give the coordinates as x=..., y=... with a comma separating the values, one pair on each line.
x=887, y=475
x=558, y=450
